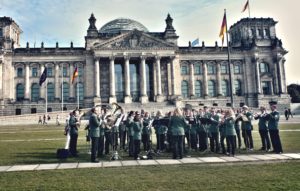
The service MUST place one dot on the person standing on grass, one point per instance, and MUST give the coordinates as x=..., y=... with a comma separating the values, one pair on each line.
x=44, y=120
x=274, y=130
x=94, y=123
x=57, y=120
x=177, y=124
x=263, y=129
x=137, y=127
x=230, y=132
x=247, y=127
x=40, y=120
x=73, y=122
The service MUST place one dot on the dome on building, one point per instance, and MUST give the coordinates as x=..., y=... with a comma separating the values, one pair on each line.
x=122, y=24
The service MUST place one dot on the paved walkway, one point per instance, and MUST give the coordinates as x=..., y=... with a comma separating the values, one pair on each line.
x=119, y=163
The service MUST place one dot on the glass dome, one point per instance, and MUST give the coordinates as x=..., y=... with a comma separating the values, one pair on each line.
x=122, y=24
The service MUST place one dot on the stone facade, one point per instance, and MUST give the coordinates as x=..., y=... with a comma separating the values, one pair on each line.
x=124, y=62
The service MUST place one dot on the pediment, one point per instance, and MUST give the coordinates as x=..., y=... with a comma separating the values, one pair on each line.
x=134, y=40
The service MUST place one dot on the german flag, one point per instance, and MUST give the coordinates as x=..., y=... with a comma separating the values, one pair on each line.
x=223, y=29
x=75, y=74
x=246, y=6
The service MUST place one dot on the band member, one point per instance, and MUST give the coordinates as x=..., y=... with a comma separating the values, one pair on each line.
x=94, y=123
x=230, y=132
x=102, y=134
x=193, y=134
x=214, y=131
x=73, y=122
x=274, y=130
x=177, y=124
x=237, y=126
x=222, y=130
x=108, y=124
x=114, y=136
x=122, y=132
x=137, y=135
x=160, y=130
x=202, y=130
x=247, y=127
x=146, y=132
x=263, y=129
x=129, y=129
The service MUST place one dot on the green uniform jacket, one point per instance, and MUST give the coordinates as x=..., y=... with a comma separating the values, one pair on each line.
x=94, y=124
x=146, y=128
x=273, y=121
x=247, y=124
x=73, y=127
x=230, y=130
x=177, y=124
x=137, y=130
x=262, y=123
x=215, y=124
x=129, y=123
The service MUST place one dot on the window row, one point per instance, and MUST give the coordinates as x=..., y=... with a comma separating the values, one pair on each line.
x=212, y=89
x=50, y=72
x=35, y=92
x=211, y=69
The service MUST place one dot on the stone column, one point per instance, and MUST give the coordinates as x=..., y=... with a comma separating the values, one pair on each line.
x=257, y=73
x=27, y=82
x=192, y=80
x=97, y=78
x=43, y=86
x=143, y=81
x=127, y=98
x=112, y=91
x=219, y=84
x=71, y=86
x=280, y=76
x=56, y=83
x=169, y=80
x=205, y=87
x=232, y=78
x=159, y=97
x=173, y=75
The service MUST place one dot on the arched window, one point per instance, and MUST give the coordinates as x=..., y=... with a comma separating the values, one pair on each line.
x=198, y=89
x=66, y=91
x=225, y=88
x=184, y=89
x=80, y=90
x=50, y=92
x=211, y=69
x=212, y=88
x=238, y=87
x=237, y=69
x=20, y=92
x=264, y=67
x=184, y=70
x=20, y=72
x=198, y=68
x=224, y=69
x=35, y=92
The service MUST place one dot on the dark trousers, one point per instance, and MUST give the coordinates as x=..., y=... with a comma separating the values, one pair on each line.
x=265, y=140
x=223, y=144
x=73, y=144
x=194, y=140
x=161, y=142
x=122, y=139
x=275, y=139
x=214, y=142
x=95, y=142
x=136, y=148
x=202, y=140
x=177, y=146
x=248, y=140
x=107, y=142
x=230, y=144
x=238, y=138
x=114, y=140
x=188, y=137
x=131, y=145
x=146, y=141
x=101, y=146
x=169, y=139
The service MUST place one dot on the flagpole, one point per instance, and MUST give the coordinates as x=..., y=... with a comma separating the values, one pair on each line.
x=229, y=62
x=77, y=89
x=62, y=88
x=46, y=96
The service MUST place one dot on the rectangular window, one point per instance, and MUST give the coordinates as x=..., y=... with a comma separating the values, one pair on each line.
x=198, y=69
x=266, y=87
x=80, y=71
x=49, y=72
x=211, y=69
x=34, y=72
x=224, y=69
x=65, y=71
x=184, y=70
x=237, y=69
x=20, y=72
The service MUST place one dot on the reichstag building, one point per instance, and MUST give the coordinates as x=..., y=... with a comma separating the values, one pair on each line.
x=124, y=62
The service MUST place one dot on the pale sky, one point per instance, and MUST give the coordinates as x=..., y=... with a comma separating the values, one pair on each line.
x=64, y=21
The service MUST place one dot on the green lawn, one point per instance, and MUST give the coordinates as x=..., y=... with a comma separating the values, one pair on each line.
x=24, y=144
x=276, y=176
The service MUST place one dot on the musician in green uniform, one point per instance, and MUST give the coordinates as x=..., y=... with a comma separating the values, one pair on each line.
x=177, y=124
x=137, y=135
x=73, y=122
x=94, y=123
x=230, y=132
x=247, y=126
x=122, y=132
x=237, y=126
x=274, y=130
x=214, y=131
x=203, y=130
x=129, y=130
x=263, y=129
x=146, y=132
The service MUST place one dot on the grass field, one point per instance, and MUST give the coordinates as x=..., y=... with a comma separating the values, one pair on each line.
x=277, y=176
x=38, y=144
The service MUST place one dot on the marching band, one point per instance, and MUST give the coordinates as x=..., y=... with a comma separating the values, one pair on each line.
x=178, y=131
